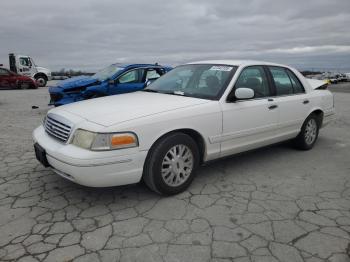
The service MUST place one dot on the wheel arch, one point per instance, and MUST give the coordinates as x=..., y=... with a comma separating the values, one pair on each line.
x=195, y=135
x=41, y=74
x=319, y=113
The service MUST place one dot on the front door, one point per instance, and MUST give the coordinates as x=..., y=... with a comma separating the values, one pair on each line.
x=130, y=81
x=25, y=66
x=250, y=123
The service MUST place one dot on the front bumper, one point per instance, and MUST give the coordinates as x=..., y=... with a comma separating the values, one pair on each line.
x=88, y=168
x=59, y=99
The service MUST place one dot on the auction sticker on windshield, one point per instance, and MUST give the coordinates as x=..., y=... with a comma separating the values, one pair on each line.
x=221, y=68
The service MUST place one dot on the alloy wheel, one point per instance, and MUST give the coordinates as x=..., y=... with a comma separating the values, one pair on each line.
x=310, y=131
x=177, y=165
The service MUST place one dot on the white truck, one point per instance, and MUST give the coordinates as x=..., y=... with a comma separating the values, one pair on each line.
x=24, y=65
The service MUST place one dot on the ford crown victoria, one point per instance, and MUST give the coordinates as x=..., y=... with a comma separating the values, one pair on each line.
x=195, y=113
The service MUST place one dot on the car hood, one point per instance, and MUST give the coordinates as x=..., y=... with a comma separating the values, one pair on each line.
x=78, y=81
x=112, y=110
x=43, y=70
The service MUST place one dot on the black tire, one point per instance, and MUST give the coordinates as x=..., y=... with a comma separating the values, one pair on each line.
x=152, y=169
x=301, y=141
x=41, y=80
x=24, y=85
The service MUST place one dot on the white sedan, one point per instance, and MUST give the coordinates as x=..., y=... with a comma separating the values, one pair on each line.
x=195, y=113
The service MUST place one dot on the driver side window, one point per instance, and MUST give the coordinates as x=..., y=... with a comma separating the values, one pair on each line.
x=24, y=61
x=254, y=77
x=130, y=77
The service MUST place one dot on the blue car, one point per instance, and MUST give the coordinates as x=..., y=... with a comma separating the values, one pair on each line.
x=112, y=80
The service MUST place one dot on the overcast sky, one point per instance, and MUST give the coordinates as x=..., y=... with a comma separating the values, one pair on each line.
x=90, y=34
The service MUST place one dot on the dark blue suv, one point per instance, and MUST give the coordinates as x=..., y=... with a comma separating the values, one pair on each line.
x=112, y=80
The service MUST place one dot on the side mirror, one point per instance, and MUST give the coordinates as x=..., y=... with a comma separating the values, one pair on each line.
x=112, y=82
x=244, y=93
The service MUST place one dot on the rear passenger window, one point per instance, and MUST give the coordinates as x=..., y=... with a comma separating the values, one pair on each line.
x=297, y=86
x=152, y=74
x=254, y=77
x=282, y=81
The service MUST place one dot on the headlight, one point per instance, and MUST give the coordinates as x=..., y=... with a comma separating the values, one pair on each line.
x=104, y=141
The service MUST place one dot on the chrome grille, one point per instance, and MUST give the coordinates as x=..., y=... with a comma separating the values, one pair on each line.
x=57, y=128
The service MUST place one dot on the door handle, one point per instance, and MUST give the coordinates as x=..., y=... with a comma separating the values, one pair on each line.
x=270, y=99
x=306, y=101
x=273, y=107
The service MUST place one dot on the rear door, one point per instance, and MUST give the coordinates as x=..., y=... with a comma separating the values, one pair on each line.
x=291, y=99
x=250, y=123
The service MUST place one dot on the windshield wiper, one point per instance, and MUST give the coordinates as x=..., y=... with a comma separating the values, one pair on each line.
x=175, y=93
x=178, y=93
x=150, y=90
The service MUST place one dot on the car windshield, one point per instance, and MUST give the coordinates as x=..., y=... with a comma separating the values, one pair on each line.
x=107, y=72
x=195, y=80
x=31, y=59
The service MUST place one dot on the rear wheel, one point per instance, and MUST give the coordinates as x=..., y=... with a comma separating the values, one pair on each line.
x=309, y=133
x=171, y=164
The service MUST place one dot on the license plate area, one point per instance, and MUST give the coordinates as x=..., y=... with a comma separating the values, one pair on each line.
x=40, y=154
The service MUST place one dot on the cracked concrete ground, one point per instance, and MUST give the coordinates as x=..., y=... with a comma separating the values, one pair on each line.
x=274, y=204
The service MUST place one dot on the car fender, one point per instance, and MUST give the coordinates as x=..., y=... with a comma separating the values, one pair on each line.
x=97, y=89
x=313, y=109
x=101, y=89
x=201, y=140
x=207, y=124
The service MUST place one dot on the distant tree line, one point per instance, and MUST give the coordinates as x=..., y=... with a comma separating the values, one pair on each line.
x=70, y=72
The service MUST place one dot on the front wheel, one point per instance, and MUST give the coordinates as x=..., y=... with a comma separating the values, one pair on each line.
x=41, y=81
x=171, y=164
x=309, y=133
x=24, y=85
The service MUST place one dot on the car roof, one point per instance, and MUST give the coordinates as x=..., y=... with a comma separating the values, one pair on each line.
x=236, y=62
x=127, y=66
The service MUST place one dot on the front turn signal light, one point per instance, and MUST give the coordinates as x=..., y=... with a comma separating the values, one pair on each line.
x=123, y=140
